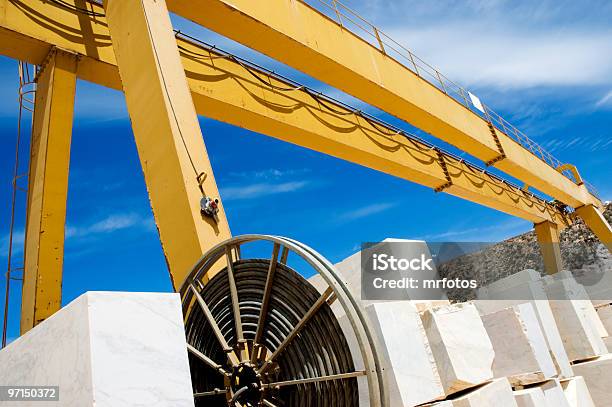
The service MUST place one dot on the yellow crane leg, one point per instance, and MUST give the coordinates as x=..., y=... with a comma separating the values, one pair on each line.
x=595, y=220
x=48, y=188
x=176, y=167
x=547, y=234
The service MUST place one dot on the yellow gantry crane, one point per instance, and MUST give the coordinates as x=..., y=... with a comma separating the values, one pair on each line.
x=169, y=78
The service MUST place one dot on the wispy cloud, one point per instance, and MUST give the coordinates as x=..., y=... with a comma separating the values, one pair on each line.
x=606, y=100
x=257, y=190
x=366, y=211
x=110, y=224
x=18, y=240
x=478, y=55
x=493, y=233
x=269, y=173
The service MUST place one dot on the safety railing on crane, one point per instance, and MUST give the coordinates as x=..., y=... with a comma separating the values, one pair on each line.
x=352, y=21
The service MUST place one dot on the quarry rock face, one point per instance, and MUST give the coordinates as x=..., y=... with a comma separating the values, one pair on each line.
x=460, y=345
x=520, y=348
x=582, y=253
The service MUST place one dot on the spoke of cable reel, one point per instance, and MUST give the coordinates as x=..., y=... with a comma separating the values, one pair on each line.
x=214, y=392
x=298, y=327
x=261, y=322
x=207, y=360
x=284, y=255
x=241, y=343
x=211, y=321
x=316, y=379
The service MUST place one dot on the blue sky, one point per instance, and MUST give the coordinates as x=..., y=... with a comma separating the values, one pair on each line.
x=547, y=67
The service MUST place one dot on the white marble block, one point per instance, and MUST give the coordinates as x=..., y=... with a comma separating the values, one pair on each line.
x=554, y=395
x=576, y=392
x=580, y=335
x=597, y=374
x=608, y=343
x=605, y=316
x=530, y=397
x=460, y=345
x=108, y=349
x=572, y=290
x=497, y=393
x=492, y=300
x=520, y=348
x=412, y=376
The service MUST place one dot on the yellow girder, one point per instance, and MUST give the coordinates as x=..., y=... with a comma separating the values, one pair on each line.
x=295, y=33
x=224, y=90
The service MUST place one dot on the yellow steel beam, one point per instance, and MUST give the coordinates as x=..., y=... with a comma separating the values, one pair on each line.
x=230, y=92
x=176, y=167
x=547, y=234
x=48, y=188
x=295, y=33
x=222, y=89
x=595, y=220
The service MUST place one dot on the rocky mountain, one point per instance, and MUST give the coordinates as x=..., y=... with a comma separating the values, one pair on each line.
x=581, y=252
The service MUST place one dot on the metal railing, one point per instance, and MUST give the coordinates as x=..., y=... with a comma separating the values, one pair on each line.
x=352, y=21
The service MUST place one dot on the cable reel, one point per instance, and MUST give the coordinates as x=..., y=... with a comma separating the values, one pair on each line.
x=259, y=334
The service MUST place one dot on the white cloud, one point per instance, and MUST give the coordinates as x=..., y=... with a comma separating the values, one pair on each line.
x=494, y=233
x=486, y=55
x=258, y=190
x=111, y=223
x=366, y=211
x=18, y=241
x=606, y=100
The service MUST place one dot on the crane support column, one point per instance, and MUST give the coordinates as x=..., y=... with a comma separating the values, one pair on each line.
x=548, y=238
x=48, y=188
x=595, y=220
x=174, y=160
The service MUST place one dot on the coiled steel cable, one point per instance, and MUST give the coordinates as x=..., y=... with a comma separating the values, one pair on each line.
x=315, y=368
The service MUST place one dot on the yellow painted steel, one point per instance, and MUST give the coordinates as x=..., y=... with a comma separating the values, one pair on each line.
x=547, y=234
x=593, y=217
x=174, y=160
x=292, y=32
x=48, y=188
x=224, y=90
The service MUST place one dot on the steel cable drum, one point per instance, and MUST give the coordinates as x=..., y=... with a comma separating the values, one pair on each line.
x=259, y=334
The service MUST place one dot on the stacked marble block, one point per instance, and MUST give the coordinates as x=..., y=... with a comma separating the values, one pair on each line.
x=105, y=349
x=440, y=355
x=604, y=312
x=564, y=311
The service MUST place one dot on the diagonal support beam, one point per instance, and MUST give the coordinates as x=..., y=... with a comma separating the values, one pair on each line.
x=48, y=188
x=174, y=160
x=595, y=220
x=548, y=238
